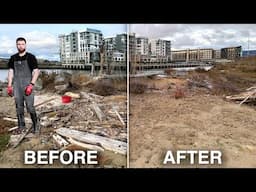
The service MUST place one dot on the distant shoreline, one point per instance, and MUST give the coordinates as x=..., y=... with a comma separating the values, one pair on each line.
x=39, y=66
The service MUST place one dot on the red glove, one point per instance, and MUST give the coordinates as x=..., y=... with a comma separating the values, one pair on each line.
x=29, y=89
x=10, y=91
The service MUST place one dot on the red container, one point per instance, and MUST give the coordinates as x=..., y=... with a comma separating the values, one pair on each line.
x=66, y=99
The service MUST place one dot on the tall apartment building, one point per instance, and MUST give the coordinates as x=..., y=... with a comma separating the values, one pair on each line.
x=110, y=43
x=159, y=47
x=109, y=48
x=142, y=46
x=121, y=42
x=80, y=47
x=132, y=48
x=115, y=48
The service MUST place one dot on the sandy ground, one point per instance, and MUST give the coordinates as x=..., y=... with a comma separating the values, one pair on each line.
x=159, y=122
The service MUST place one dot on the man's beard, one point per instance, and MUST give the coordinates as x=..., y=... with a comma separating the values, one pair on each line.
x=21, y=50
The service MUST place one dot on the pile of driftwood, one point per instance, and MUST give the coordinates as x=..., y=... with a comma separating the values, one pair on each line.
x=88, y=121
x=248, y=97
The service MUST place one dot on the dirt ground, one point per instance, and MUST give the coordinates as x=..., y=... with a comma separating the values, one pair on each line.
x=159, y=122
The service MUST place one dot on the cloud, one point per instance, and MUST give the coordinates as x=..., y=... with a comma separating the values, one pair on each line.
x=200, y=35
x=6, y=46
x=39, y=43
x=42, y=43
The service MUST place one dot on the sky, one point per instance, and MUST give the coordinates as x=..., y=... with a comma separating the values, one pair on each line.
x=216, y=36
x=42, y=39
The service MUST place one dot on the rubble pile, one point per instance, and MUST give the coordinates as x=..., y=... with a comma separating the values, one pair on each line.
x=86, y=118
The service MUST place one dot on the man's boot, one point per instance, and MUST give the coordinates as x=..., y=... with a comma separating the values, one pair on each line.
x=21, y=124
x=35, y=126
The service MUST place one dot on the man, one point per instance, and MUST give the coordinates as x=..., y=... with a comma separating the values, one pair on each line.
x=22, y=75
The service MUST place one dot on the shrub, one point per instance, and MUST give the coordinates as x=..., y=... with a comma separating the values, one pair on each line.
x=104, y=88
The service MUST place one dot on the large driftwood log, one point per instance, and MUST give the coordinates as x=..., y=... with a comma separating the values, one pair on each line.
x=106, y=143
x=85, y=145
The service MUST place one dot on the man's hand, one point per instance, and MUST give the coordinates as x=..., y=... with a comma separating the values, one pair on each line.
x=10, y=91
x=29, y=89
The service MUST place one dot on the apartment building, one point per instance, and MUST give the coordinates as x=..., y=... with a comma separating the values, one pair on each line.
x=78, y=46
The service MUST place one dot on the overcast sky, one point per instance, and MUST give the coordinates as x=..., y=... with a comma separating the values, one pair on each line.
x=215, y=36
x=42, y=39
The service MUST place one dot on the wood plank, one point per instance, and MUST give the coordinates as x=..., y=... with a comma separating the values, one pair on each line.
x=22, y=136
x=247, y=98
x=60, y=140
x=106, y=143
x=119, y=116
x=86, y=96
x=98, y=112
x=13, y=128
x=96, y=96
x=85, y=145
x=39, y=104
x=27, y=120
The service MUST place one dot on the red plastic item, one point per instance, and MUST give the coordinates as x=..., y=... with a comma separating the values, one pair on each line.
x=66, y=99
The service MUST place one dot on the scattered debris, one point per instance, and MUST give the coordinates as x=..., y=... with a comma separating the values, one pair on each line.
x=15, y=141
x=201, y=83
x=248, y=96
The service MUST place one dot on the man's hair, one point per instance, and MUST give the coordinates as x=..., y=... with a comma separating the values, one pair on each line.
x=21, y=39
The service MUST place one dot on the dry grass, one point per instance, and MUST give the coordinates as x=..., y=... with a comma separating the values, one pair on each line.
x=78, y=79
x=228, y=78
x=169, y=71
x=104, y=87
x=48, y=80
x=179, y=93
x=138, y=85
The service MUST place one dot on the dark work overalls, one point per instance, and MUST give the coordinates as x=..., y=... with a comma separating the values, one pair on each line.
x=22, y=78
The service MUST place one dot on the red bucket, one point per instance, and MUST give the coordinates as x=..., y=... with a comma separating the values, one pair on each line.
x=66, y=99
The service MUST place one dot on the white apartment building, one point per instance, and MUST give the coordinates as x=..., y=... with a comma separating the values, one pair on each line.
x=75, y=48
x=142, y=46
x=159, y=47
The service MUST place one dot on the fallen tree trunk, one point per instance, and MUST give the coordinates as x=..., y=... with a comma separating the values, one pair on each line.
x=106, y=143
